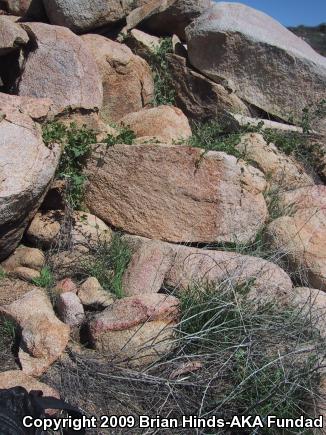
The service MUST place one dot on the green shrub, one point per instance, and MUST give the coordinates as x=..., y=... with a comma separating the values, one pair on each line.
x=259, y=360
x=211, y=136
x=76, y=144
x=46, y=278
x=7, y=333
x=2, y=273
x=108, y=264
x=163, y=83
x=126, y=136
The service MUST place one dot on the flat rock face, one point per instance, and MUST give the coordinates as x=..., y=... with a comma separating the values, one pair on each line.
x=136, y=330
x=44, y=337
x=62, y=68
x=258, y=58
x=70, y=309
x=127, y=78
x=27, y=167
x=83, y=15
x=155, y=264
x=165, y=124
x=13, y=289
x=36, y=108
x=283, y=171
x=176, y=193
x=199, y=97
x=12, y=36
x=301, y=235
x=168, y=16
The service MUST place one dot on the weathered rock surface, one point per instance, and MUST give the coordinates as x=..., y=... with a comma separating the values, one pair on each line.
x=27, y=167
x=264, y=124
x=165, y=124
x=141, y=43
x=127, y=78
x=66, y=285
x=38, y=109
x=26, y=8
x=13, y=289
x=25, y=263
x=12, y=36
x=224, y=44
x=155, y=264
x=300, y=235
x=44, y=337
x=176, y=193
x=283, y=171
x=70, y=309
x=148, y=267
x=201, y=98
x=83, y=15
x=25, y=257
x=81, y=230
x=92, y=294
x=61, y=68
x=17, y=378
x=136, y=330
x=167, y=17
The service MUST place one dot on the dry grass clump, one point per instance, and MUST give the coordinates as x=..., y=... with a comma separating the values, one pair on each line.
x=231, y=357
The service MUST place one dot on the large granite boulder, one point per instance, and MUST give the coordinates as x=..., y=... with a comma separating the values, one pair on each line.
x=167, y=17
x=84, y=15
x=60, y=67
x=256, y=57
x=43, y=338
x=300, y=235
x=176, y=193
x=199, y=97
x=27, y=167
x=156, y=264
x=79, y=231
x=284, y=172
x=165, y=124
x=137, y=330
x=127, y=79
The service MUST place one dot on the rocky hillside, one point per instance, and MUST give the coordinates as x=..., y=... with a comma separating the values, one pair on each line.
x=315, y=36
x=162, y=211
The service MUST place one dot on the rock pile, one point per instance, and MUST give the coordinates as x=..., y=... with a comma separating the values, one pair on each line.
x=96, y=104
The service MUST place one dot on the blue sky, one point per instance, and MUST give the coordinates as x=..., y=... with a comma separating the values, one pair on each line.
x=292, y=12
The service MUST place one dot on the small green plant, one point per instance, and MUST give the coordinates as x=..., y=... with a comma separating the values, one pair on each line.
x=299, y=144
x=211, y=136
x=7, y=333
x=163, y=83
x=46, y=278
x=76, y=144
x=2, y=273
x=108, y=264
x=126, y=136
